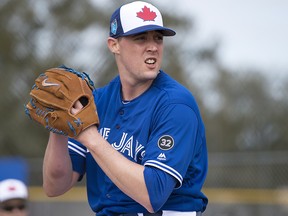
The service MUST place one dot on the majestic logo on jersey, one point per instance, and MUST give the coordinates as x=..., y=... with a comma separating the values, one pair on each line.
x=161, y=156
x=146, y=14
x=166, y=142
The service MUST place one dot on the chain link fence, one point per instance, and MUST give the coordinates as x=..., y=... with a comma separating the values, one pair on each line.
x=250, y=184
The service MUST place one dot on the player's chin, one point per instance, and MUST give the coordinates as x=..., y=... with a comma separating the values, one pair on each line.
x=153, y=69
x=151, y=74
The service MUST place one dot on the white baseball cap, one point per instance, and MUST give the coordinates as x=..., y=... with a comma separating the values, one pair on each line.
x=12, y=189
x=137, y=17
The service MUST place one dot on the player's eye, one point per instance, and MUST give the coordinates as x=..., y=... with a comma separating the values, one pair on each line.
x=159, y=38
x=140, y=38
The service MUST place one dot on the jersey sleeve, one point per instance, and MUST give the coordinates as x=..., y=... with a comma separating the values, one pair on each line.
x=173, y=140
x=77, y=153
x=159, y=185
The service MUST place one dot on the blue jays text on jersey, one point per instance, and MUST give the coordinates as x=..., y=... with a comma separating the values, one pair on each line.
x=162, y=128
x=127, y=145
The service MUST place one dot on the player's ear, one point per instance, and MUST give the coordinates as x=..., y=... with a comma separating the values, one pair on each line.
x=113, y=45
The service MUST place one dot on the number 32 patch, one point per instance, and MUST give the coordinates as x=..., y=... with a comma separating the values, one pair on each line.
x=166, y=142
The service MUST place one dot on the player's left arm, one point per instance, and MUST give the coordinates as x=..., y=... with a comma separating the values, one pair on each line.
x=159, y=185
x=170, y=151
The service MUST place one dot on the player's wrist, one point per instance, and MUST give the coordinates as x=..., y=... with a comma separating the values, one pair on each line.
x=88, y=135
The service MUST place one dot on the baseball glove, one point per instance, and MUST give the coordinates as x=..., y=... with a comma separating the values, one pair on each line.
x=54, y=94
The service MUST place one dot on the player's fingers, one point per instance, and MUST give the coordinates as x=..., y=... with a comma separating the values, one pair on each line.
x=76, y=107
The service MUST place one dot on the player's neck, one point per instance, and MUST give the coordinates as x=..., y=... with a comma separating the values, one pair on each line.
x=131, y=92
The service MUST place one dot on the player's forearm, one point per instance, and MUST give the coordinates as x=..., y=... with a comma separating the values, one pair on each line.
x=127, y=175
x=57, y=167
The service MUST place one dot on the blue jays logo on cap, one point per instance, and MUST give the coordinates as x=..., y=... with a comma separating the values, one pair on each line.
x=146, y=14
x=114, y=27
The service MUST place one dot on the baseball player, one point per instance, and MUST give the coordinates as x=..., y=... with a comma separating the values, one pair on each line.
x=148, y=155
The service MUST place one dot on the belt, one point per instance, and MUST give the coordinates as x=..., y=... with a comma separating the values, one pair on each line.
x=164, y=213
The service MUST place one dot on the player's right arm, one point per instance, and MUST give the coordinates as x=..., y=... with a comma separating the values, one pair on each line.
x=58, y=175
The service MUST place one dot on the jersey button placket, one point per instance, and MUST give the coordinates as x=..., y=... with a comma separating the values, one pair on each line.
x=121, y=113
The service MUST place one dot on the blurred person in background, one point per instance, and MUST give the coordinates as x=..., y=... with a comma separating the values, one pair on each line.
x=13, y=198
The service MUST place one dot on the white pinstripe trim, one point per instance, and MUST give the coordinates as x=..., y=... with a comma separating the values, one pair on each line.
x=76, y=149
x=166, y=169
x=175, y=213
x=76, y=146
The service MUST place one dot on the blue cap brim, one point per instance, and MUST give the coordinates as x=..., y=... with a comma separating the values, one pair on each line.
x=142, y=29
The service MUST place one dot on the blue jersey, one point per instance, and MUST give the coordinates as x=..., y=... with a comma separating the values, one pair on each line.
x=162, y=128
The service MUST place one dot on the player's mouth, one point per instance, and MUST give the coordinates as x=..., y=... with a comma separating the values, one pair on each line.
x=150, y=61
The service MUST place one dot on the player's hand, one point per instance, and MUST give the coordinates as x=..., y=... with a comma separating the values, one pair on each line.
x=76, y=107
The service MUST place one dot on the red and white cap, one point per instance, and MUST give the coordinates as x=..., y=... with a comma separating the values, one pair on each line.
x=12, y=189
x=137, y=17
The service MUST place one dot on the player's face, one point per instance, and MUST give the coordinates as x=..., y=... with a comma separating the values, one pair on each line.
x=14, y=207
x=140, y=56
